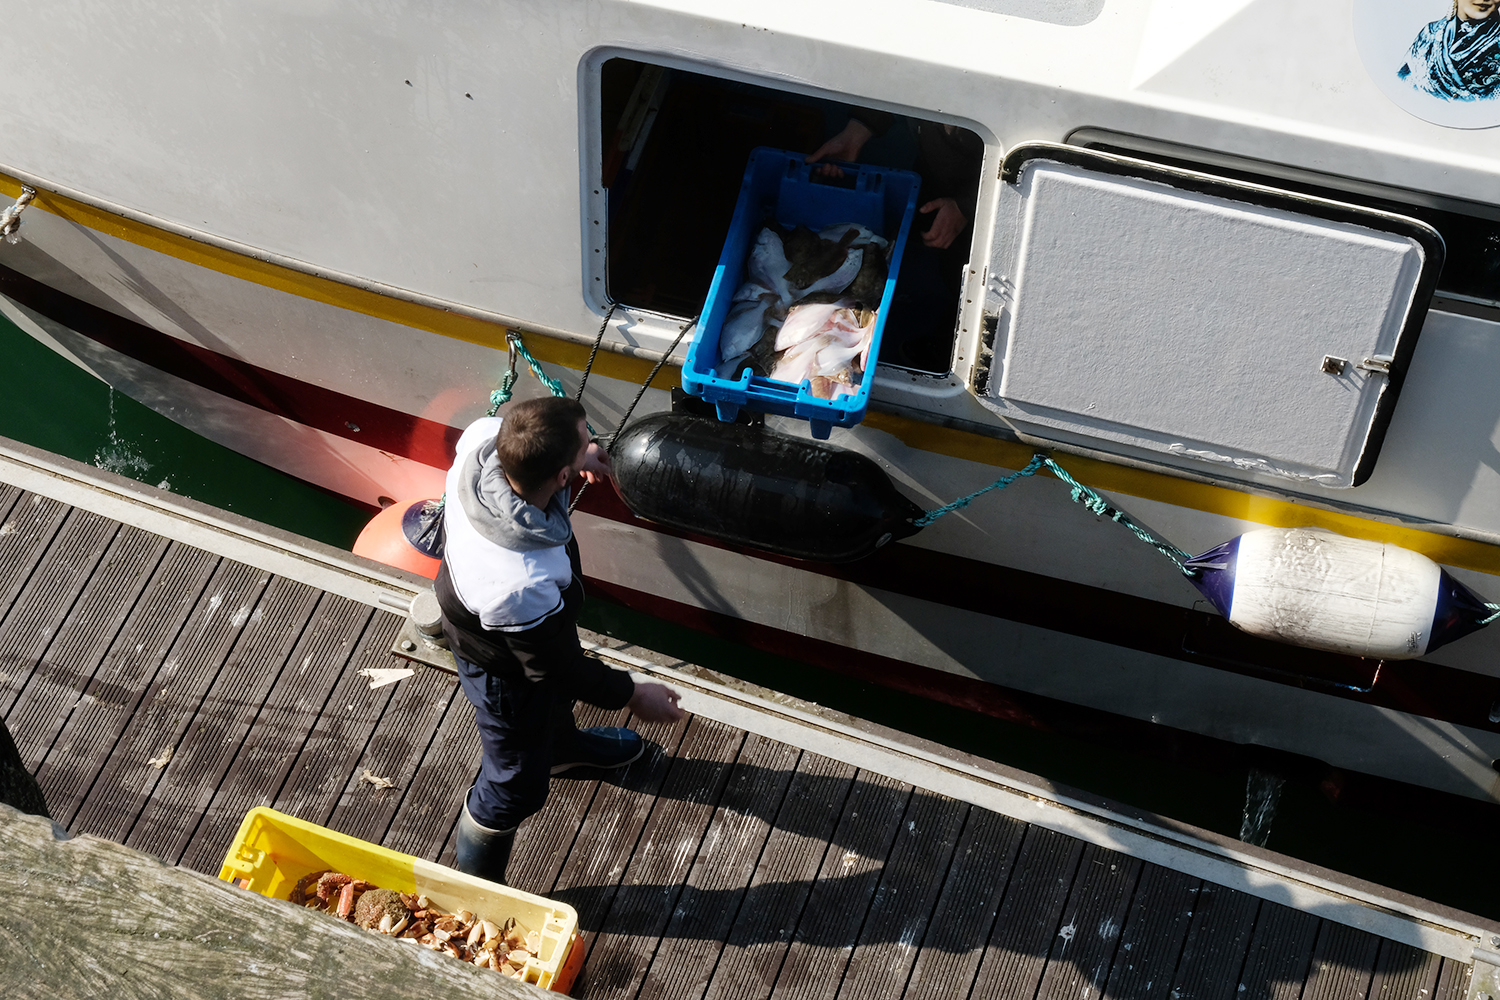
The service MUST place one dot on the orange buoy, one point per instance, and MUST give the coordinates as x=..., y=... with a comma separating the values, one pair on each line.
x=408, y=535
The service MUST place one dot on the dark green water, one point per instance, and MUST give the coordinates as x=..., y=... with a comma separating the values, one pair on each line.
x=52, y=404
x=1408, y=845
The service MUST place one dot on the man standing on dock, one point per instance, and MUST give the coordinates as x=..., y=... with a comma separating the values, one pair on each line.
x=510, y=590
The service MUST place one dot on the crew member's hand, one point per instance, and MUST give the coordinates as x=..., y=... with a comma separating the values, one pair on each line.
x=949, y=222
x=597, y=466
x=654, y=703
x=845, y=146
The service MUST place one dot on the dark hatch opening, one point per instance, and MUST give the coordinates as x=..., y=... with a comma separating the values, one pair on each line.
x=675, y=146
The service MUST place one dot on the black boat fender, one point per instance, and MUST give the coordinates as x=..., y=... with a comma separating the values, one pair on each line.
x=751, y=486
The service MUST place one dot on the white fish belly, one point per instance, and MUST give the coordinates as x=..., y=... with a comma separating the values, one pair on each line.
x=1314, y=588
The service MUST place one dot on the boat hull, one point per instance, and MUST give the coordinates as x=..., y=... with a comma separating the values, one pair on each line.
x=305, y=234
x=1021, y=606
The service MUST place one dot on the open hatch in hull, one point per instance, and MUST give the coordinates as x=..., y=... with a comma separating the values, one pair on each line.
x=1199, y=323
x=675, y=147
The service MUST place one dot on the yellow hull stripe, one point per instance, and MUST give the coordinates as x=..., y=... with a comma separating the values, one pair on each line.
x=1161, y=487
x=333, y=293
x=915, y=434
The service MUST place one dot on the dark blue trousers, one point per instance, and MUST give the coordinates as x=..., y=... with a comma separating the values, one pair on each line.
x=516, y=721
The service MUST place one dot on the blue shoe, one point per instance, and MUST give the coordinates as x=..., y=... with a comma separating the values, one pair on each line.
x=601, y=746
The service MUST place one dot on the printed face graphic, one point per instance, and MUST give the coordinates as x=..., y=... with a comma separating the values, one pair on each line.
x=1476, y=10
x=1436, y=59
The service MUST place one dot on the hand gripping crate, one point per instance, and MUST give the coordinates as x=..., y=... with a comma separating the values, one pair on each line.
x=273, y=850
x=779, y=185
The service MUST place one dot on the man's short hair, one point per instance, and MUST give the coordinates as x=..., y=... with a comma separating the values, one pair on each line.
x=537, y=438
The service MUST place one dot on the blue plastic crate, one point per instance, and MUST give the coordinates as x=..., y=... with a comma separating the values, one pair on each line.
x=778, y=184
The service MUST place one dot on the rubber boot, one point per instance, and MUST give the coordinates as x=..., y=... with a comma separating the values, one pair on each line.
x=481, y=851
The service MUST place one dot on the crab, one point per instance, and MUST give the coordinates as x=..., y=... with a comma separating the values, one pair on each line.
x=505, y=948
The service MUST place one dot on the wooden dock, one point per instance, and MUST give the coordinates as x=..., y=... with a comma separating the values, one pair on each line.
x=165, y=667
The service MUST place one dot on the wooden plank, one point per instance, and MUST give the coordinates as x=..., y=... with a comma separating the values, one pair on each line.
x=222, y=718
x=982, y=866
x=720, y=877
x=1403, y=972
x=26, y=532
x=396, y=747
x=265, y=758
x=613, y=825
x=86, y=917
x=433, y=797
x=110, y=699
x=845, y=887
x=8, y=496
x=783, y=880
x=545, y=838
x=320, y=773
x=1280, y=954
x=46, y=601
x=1152, y=940
x=900, y=915
x=1453, y=980
x=653, y=881
x=1029, y=917
x=1343, y=963
x=1217, y=941
x=1083, y=951
x=60, y=679
x=128, y=777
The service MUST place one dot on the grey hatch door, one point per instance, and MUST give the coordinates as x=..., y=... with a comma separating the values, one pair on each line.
x=1197, y=323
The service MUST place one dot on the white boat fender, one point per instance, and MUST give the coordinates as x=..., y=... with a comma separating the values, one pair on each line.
x=1311, y=587
x=754, y=487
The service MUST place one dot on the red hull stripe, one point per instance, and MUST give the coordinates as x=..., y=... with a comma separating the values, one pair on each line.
x=417, y=438
x=1418, y=687
x=1414, y=686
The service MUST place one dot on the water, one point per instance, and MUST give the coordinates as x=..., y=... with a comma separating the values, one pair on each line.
x=1262, y=793
x=1292, y=805
x=52, y=404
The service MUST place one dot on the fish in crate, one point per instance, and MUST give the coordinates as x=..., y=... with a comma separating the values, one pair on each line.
x=807, y=309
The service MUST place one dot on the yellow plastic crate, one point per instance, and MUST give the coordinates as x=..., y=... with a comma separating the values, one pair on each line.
x=273, y=850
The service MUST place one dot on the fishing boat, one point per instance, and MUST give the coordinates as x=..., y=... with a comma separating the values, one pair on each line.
x=1225, y=266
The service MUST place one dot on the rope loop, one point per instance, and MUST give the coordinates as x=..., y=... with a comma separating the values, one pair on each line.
x=1494, y=615
x=553, y=385
x=501, y=396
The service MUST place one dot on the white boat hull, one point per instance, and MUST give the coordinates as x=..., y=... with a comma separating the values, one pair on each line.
x=320, y=274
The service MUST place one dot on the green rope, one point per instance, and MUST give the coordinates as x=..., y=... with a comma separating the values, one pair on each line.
x=1102, y=507
x=1081, y=494
x=1494, y=608
x=501, y=396
x=552, y=384
x=1037, y=461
